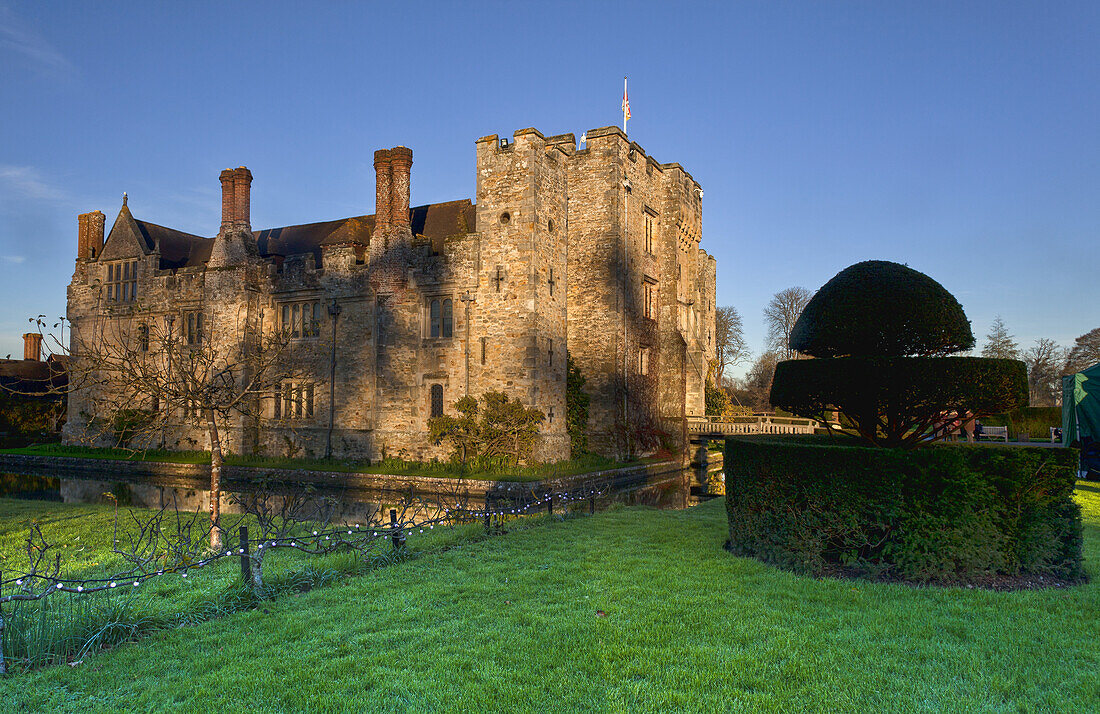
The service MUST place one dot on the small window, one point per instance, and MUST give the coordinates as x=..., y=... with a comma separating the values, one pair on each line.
x=436, y=318
x=643, y=361
x=437, y=400
x=294, y=400
x=649, y=299
x=301, y=319
x=143, y=338
x=448, y=318
x=505, y=218
x=648, y=233
x=192, y=326
x=122, y=281
x=484, y=346
x=441, y=318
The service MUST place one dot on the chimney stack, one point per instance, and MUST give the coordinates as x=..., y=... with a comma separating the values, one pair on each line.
x=382, y=183
x=242, y=191
x=401, y=159
x=32, y=346
x=89, y=240
x=229, y=201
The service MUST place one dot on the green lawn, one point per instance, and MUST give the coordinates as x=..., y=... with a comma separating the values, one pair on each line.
x=437, y=469
x=513, y=623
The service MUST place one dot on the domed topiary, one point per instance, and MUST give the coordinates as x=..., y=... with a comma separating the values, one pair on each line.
x=881, y=309
x=881, y=331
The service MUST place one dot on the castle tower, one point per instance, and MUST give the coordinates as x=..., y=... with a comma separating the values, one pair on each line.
x=520, y=323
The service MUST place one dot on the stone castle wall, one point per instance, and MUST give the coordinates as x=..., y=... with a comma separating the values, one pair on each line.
x=548, y=268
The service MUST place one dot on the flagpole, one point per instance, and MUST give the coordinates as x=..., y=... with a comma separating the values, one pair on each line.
x=624, y=105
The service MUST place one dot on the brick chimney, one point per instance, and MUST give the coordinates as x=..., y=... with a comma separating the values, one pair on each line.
x=382, y=183
x=229, y=201
x=89, y=240
x=242, y=191
x=32, y=346
x=401, y=158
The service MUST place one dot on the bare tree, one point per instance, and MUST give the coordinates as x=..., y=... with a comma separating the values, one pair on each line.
x=729, y=341
x=999, y=343
x=140, y=382
x=758, y=382
x=780, y=314
x=1044, y=361
x=1084, y=353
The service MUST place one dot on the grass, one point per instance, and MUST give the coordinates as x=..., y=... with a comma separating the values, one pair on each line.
x=514, y=623
x=438, y=469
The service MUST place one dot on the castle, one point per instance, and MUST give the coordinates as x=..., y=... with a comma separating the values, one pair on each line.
x=588, y=252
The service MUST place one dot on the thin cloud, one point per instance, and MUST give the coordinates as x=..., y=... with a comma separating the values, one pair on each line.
x=20, y=40
x=27, y=182
x=17, y=259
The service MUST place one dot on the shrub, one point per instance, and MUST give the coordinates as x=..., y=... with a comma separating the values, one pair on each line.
x=882, y=309
x=500, y=430
x=952, y=514
x=576, y=408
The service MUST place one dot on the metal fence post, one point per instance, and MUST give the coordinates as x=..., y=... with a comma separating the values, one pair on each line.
x=398, y=537
x=550, y=505
x=488, y=518
x=246, y=561
x=592, y=503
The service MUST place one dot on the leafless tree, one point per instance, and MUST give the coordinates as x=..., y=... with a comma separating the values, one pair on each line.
x=1044, y=361
x=780, y=314
x=729, y=341
x=1084, y=353
x=138, y=378
x=758, y=381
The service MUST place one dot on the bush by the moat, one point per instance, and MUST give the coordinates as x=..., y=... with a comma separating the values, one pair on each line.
x=948, y=515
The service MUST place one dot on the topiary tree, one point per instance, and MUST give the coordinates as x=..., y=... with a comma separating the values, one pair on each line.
x=881, y=332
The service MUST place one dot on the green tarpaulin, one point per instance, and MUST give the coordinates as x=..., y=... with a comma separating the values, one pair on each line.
x=1081, y=405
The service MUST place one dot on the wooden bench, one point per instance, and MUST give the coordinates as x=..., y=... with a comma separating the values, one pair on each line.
x=994, y=433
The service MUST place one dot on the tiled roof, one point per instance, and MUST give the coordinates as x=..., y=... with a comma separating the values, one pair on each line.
x=435, y=221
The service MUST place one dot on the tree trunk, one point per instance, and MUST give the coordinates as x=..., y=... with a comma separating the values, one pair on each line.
x=215, y=482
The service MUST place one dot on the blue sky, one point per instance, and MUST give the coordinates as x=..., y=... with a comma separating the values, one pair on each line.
x=959, y=138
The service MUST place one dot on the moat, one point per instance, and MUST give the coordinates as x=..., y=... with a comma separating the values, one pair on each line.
x=667, y=491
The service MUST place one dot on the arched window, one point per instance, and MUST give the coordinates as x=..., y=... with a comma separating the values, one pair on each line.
x=448, y=318
x=437, y=399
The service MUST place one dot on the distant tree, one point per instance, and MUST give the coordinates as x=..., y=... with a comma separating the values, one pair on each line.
x=780, y=316
x=729, y=341
x=758, y=382
x=1044, y=361
x=1084, y=353
x=999, y=343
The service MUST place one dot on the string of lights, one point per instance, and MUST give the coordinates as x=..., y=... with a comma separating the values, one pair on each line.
x=36, y=586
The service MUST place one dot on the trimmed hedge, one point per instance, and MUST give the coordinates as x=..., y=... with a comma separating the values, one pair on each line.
x=908, y=394
x=883, y=309
x=948, y=514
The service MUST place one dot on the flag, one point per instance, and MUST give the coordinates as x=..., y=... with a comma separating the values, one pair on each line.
x=626, y=105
